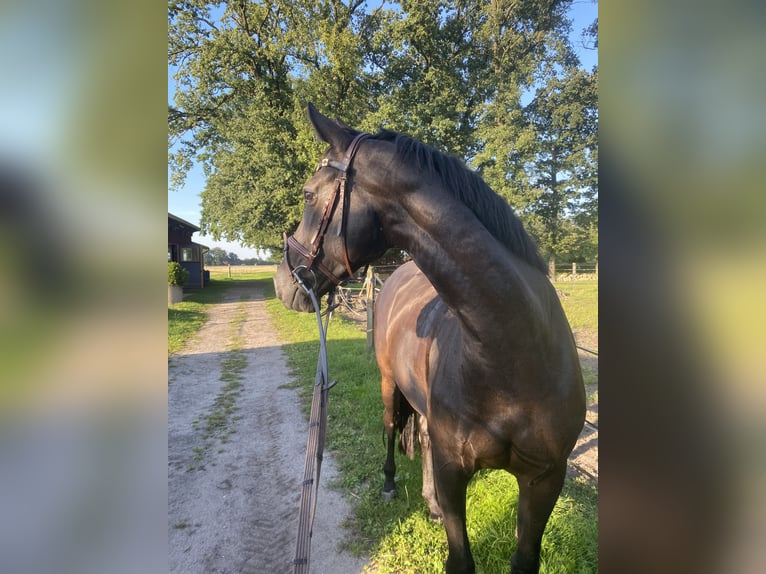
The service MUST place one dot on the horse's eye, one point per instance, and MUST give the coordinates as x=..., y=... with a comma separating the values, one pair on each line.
x=309, y=196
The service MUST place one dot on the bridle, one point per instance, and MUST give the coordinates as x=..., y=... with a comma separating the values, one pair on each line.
x=340, y=195
x=318, y=421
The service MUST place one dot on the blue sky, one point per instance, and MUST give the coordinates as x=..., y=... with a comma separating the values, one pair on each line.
x=186, y=203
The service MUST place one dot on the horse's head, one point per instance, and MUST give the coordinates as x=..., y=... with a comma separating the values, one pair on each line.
x=340, y=231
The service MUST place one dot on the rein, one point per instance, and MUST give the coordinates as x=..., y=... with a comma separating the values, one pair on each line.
x=318, y=418
x=339, y=196
x=316, y=437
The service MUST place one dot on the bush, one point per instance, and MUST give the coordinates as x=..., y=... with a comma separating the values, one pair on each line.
x=177, y=275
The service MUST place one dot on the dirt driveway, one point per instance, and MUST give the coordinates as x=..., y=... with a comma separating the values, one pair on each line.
x=236, y=449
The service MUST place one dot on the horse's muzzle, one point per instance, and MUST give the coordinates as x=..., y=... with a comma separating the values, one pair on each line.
x=288, y=291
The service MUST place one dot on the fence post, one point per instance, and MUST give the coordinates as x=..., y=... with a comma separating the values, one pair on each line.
x=370, y=285
x=574, y=271
x=552, y=269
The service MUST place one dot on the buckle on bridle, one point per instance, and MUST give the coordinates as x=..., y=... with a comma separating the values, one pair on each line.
x=327, y=162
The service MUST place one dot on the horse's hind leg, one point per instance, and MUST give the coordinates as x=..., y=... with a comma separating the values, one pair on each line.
x=391, y=400
x=429, y=492
x=536, y=501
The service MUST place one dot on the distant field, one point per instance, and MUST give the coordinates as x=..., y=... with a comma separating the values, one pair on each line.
x=240, y=271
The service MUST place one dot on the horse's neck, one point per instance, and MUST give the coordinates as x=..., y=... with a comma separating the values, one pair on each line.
x=484, y=284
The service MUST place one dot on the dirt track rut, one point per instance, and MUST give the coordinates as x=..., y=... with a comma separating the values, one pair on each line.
x=236, y=448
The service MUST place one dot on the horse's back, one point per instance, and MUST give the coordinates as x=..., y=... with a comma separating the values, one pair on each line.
x=406, y=311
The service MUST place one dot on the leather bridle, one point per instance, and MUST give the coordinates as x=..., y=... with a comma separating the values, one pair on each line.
x=340, y=195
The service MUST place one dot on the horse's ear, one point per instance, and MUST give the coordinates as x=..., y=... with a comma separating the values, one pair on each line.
x=343, y=124
x=328, y=130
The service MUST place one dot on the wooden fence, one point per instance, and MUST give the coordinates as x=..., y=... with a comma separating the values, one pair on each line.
x=573, y=272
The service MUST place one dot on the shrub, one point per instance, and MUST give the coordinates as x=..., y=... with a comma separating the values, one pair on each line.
x=177, y=275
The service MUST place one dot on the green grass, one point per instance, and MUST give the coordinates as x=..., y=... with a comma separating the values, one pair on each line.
x=183, y=323
x=186, y=318
x=418, y=545
x=398, y=535
x=580, y=302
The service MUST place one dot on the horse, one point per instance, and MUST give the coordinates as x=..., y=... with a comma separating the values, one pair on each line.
x=470, y=336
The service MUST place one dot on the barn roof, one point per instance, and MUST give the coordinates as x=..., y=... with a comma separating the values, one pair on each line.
x=204, y=248
x=176, y=221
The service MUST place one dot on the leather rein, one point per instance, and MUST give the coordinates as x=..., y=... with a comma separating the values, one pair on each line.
x=340, y=195
x=318, y=420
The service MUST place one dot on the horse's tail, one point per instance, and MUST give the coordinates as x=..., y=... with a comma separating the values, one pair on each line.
x=408, y=429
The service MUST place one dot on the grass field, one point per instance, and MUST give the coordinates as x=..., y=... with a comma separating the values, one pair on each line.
x=580, y=302
x=398, y=535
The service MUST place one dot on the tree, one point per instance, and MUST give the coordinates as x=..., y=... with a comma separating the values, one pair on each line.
x=244, y=71
x=425, y=82
x=215, y=256
x=233, y=259
x=539, y=145
x=452, y=73
x=561, y=159
x=218, y=256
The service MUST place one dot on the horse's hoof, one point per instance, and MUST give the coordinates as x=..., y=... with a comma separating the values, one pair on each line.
x=436, y=517
x=388, y=495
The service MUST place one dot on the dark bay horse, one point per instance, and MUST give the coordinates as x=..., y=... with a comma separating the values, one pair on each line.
x=470, y=336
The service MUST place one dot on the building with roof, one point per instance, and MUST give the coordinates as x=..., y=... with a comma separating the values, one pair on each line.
x=189, y=254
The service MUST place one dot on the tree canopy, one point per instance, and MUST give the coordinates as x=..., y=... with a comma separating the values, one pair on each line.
x=496, y=83
x=219, y=256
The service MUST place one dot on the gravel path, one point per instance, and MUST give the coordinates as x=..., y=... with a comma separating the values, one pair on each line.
x=583, y=461
x=236, y=450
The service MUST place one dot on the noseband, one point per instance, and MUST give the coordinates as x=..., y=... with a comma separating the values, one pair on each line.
x=339, y=195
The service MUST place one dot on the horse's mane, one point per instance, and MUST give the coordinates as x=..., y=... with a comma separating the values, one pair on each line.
x=466, y=185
